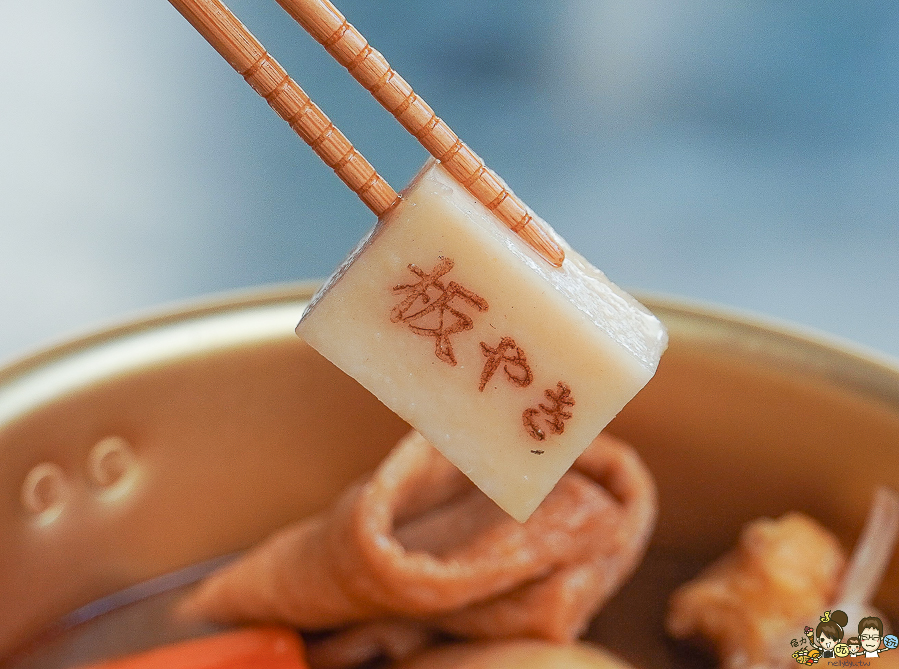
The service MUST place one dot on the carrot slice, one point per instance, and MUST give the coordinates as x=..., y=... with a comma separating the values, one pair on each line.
x=248, y=648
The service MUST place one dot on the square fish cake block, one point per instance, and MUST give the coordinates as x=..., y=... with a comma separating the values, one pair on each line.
x=508, y=365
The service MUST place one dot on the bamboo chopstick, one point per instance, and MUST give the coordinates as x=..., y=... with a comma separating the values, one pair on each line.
x=227, y=35
x=327, y=25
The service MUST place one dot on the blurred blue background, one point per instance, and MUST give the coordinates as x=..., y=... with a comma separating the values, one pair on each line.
x=744, y=153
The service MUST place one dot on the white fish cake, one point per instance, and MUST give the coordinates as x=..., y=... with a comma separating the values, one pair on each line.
x=507, y=365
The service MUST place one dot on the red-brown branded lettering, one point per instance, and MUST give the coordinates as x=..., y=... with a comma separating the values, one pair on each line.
x=552, y=416
x=437, y=317
x=507, y=351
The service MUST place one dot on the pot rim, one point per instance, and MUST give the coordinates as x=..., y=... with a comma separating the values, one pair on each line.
x=718, y=329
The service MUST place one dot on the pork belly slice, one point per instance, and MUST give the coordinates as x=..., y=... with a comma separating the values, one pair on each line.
x=749, y=603
x=754, y=602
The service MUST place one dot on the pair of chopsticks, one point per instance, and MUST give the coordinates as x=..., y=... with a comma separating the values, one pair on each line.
x=227, y=35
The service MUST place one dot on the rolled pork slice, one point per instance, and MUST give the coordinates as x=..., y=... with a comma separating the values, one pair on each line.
x=508, y=365
x=418, y=542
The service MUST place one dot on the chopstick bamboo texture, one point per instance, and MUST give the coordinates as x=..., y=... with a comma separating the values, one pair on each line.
x=227, y=35
x=322, y=20
x=327, y=25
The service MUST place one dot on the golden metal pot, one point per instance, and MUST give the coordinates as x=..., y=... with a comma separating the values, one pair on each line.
x=166, y=442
